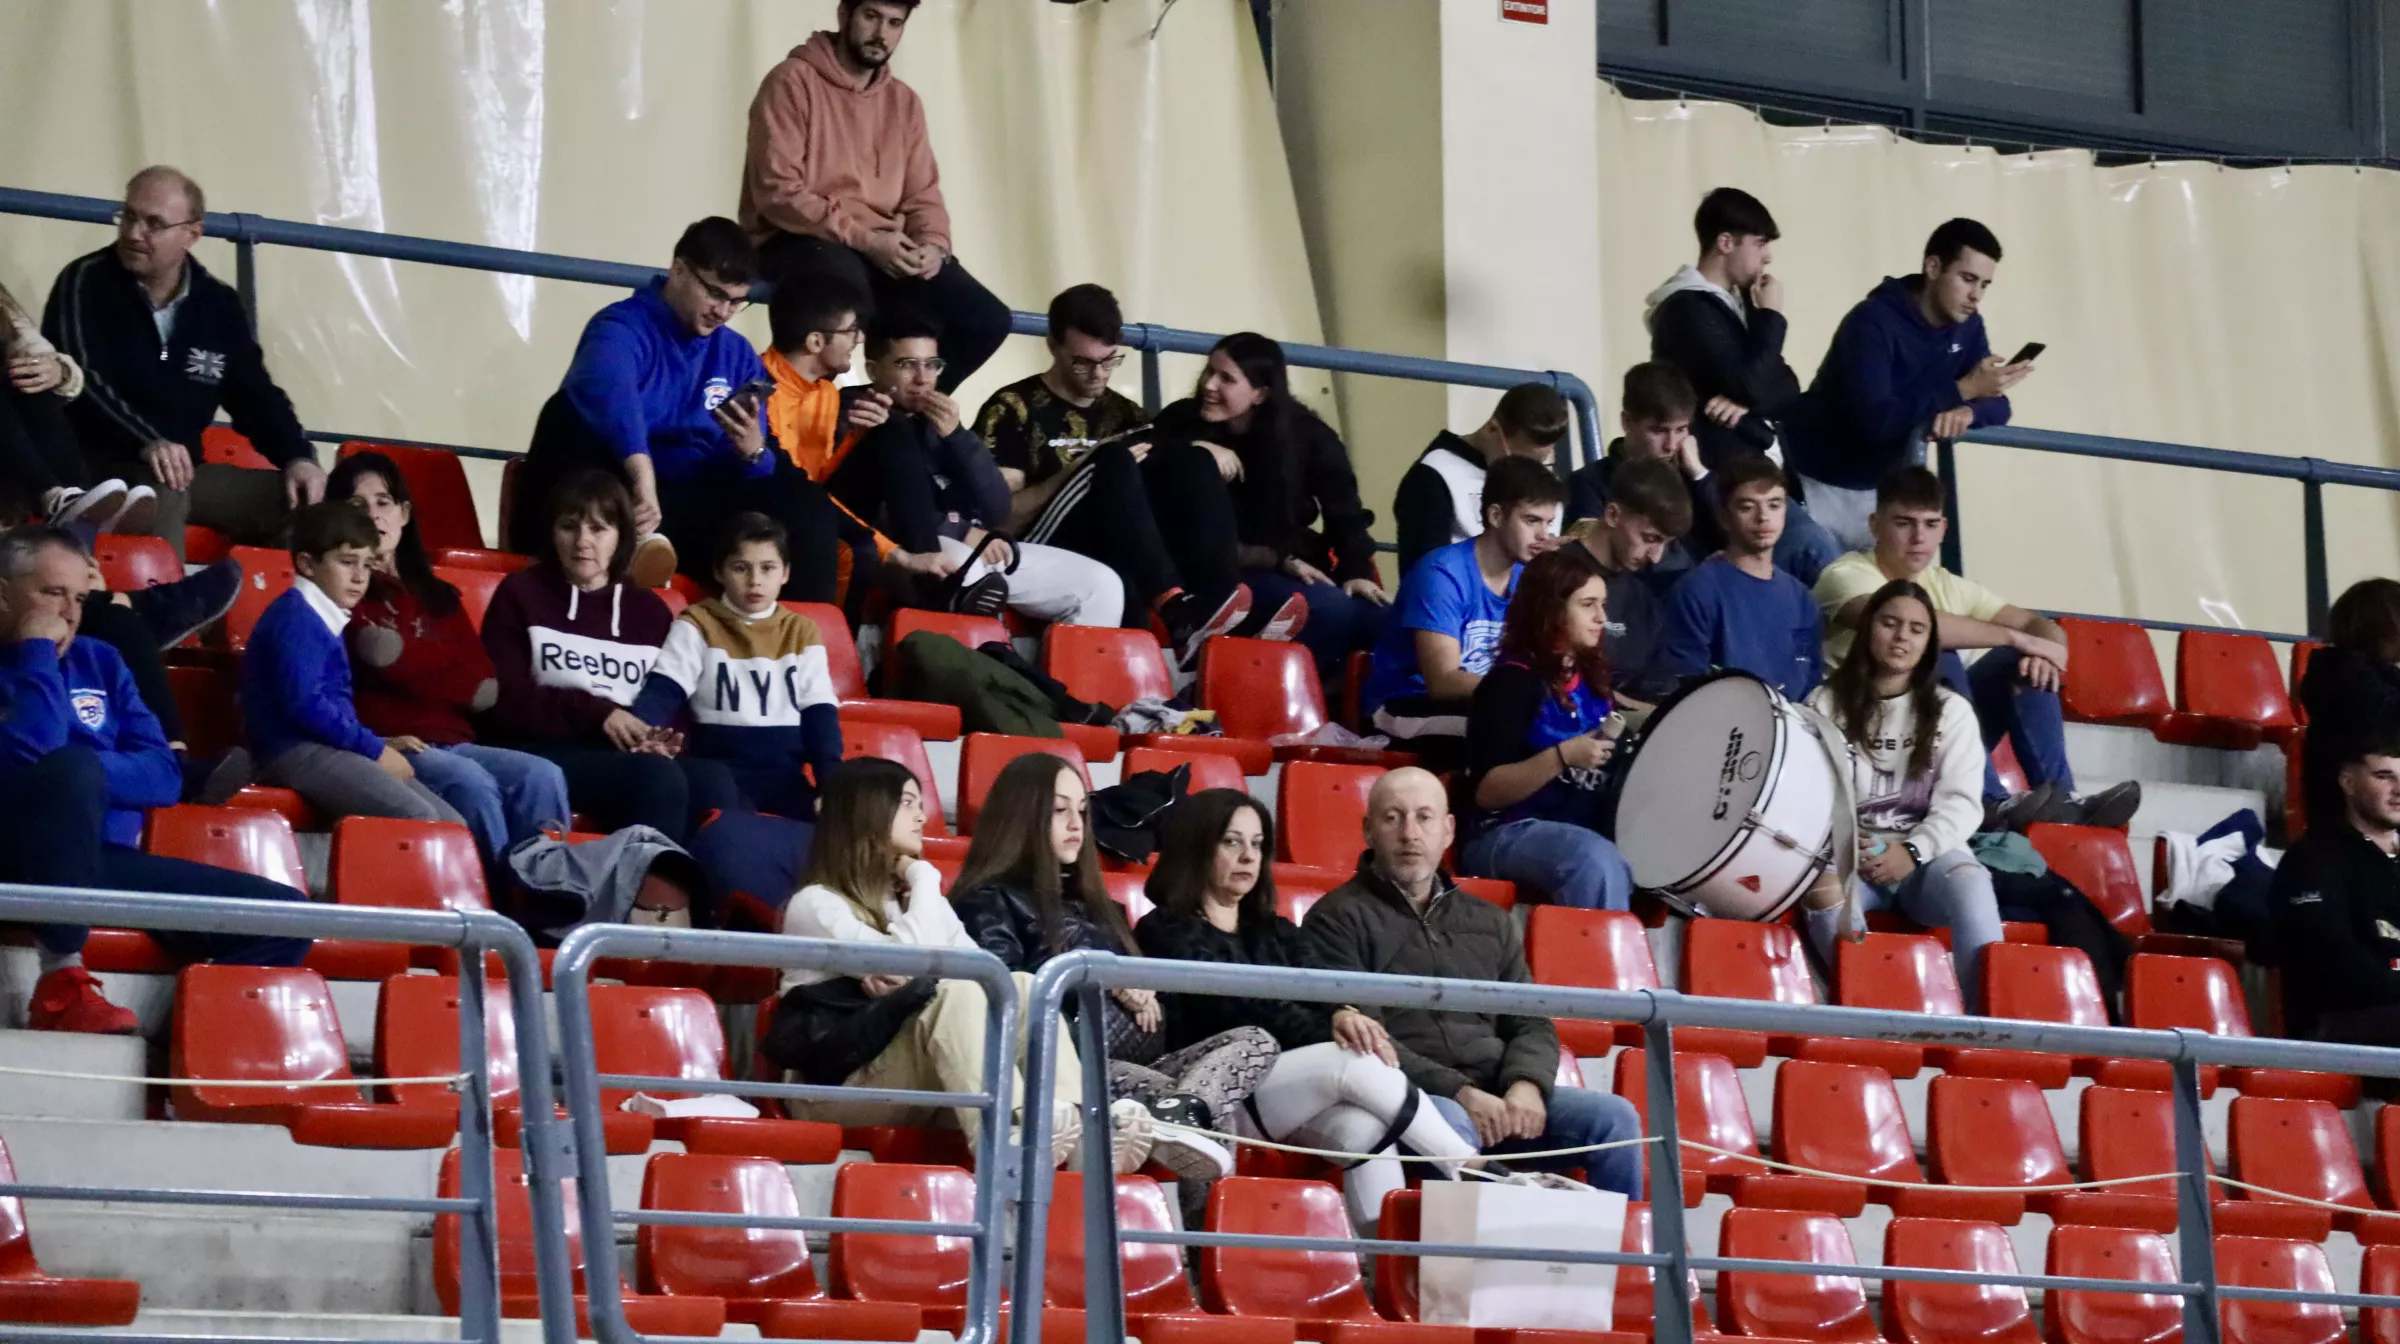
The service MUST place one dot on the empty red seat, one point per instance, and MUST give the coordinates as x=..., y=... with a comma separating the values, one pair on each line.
x=1953, y=1313
x=2229, y=693
x=440, y=501
x=1739, y=959
x=2301, y=1148
x=1709, y=1108
x=1590, y=949
x=900, y=743
x=1323, y=1289
x=1297, y=889
x=1159, y=1305
x=929, y=1273
x=1819, y=1307
x=2100, y=865
x=1998, y=1132
x=256, y=1024
x=2165, y=992
x=1265, y=689
x=475, y=588
x=1902, y=972
x=1321, y=812
x=211, y=713
x=1210, y=769
x=2131, y=1132
x=2075, y=1316
x=2034, y=983
x=2112, y=674
x=1635, y=1311
x=675, y=1033
x=1847, y=1118
x=2275, y=1262
x=986, y=754
x=934, y=723
x=227, y=446
x=2380, y=1275
x=127, y=563
x=265, y=574
x=259, y=842
x=1115, y=667
x=758, y=1271
x=30, y=1297
x=414, y=865
x=416, y=1036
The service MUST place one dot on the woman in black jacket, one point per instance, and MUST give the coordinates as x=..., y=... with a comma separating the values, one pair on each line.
x=1337, y=1083
x=2351, y=690
x=1030, y=889
x=1305, y=551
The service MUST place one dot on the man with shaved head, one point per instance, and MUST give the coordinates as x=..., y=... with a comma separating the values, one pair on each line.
x=1492, y=1075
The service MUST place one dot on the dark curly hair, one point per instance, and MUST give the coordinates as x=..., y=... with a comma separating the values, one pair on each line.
x=1534, y=632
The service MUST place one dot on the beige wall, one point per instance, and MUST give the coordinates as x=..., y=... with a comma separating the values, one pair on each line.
x=1073, y=148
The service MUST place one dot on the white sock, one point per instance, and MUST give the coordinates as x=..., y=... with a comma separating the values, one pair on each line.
x=51, y=961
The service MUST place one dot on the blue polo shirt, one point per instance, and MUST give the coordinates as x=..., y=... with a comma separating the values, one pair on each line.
x=1445, y=593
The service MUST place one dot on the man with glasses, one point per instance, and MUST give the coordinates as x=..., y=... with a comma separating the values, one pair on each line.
x=1082, y=480
x=666, y=395
x=839, y=178
x=164, y=346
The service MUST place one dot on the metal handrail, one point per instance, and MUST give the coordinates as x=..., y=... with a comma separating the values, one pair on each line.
x=474, y=933
x=994, y=1153
x=1085, y=975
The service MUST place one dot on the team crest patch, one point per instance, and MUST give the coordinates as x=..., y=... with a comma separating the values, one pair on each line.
x=91, y=709
x=714, y=393
x=206, y=366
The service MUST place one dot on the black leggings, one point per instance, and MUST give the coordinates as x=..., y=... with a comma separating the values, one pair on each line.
x=37, y=449
x=672, y=795
x=1164, y=523
x=888, y=479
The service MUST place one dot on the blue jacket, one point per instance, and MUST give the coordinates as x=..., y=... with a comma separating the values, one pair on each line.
x=646, y=385
x=1886, y=375
x=87, y=699
x=295, y=684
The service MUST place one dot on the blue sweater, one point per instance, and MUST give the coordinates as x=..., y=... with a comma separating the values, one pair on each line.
x=87, y=699
x=1720, y=617
x=646, y=385
x=295, y=684
x=1886, y=375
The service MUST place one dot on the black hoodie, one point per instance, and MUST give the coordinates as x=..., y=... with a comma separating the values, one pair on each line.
x=1726, y=348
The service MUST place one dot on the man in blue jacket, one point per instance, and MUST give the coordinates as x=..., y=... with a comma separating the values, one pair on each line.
x=1909, y=364
x=81, y=757
x=669, y=398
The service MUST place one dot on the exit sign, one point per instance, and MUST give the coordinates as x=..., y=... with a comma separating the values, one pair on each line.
x=1526, y=11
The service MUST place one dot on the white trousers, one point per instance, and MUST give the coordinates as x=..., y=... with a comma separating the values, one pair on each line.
x=1323, y=1096
x=1053, y=584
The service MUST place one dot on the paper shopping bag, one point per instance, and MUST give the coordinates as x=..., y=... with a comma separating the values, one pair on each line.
x=1523, y=1294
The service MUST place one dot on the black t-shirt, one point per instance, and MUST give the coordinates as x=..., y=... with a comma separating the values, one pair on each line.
x=1634, y=618
x=1516, y=715
x=1033, y=429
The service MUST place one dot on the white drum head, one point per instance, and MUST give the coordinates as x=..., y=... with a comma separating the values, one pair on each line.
x=1701, y=768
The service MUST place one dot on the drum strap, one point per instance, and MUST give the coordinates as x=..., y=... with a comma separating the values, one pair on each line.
x=1837, y=748
x=1402, y=1119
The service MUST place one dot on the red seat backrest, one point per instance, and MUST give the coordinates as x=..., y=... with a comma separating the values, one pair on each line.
x=2272, y=1262
x=1993, y=1131
x=440, y=501
x=1588, y=949
x=2299, y=1147
x=255, y=1024
x=1904, y=972
x=245, y=839
x=1210, y=770
x=1153, y=1272
x=1954, y=1313
x=1822, y=1308
x=986, y=754
x=518, y=1280
x=655, y=1031
x=1261, y=688
x=127, y=563
x=898, y=742
x=475, y=588
x=2112, y=674
x=841, y=651
x=229, y=447
x=740, y=1263
x=2100, y=865
x=1295, y=894
x=972, y=631
x=265, y=574
x=1739, y=959
x=1301, y=1285
x=2123, y=1132
x=1845, y=1118
x=1107, y=664
x=1709, y=1108
x=886, y=1267
x=416, y=1036
x=1321, y=812
x=2223, y=675
x=2074, y=1317
x=416, y=865
x=2036, y=982
x=2199, y=992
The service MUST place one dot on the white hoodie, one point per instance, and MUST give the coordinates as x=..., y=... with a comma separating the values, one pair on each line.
x=1938, y=810
x=928, y=920
x=1690, y=278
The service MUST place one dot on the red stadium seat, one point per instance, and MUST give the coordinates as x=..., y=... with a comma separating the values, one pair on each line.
x=1298, y=888
x=676, y=598
x=1321, y=812
x=1738, y=959
x=1265, y=689
x=229, y=447
x=211, y=713
x=1210, y=769
x=1128, y=887
x=1116, y=667
x=2229, y=693
x=259, y=842
x=2100, y=865
x=1097, y=741
x=2127, y=1132
x=441, y=503
x=2036, y=984
x=1323, y=1289
x=1954, y=1313
x=1492, y=889
x=2166, y=992
x=1589, y=949
x=1903, y=972
x=2380, y=1276
x=256, y=1023
x=900, y=743
x=2112, y=674
x=205, y=545
x=925, y=1272
x=1998, y=1132
x=477, y=558
x=2071, y=1316
x=675, y=1033
x=413, y=865
x=1847, y=1118
x=2275, y=1262
x=475, y=588
x=1158, y=1296
x=284, y=803
x=2302, y=651
x=1635, y=1311
x=1817, y=1307
x=758, y=1271
x=127, y=563
x=265, y=574
x=1710, y=1109
x=934, y=723
x=2301, y=1148
x=30, y=1297
x=416, y=1036
x=986, y=754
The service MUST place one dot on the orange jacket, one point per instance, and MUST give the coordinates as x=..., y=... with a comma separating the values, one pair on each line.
x=805, y=415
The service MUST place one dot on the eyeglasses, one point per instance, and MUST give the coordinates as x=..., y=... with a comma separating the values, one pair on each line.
x=933, y=366
x=853, y=331
x=143, y=225
x=739, y=299
x=1087, y=367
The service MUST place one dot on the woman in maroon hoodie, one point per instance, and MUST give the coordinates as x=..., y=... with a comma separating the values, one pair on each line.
x=571, y=642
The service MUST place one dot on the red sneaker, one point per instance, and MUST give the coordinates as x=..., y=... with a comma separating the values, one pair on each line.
x=69, y=999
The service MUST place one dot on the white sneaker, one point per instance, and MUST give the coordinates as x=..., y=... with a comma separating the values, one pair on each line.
x=1130, y=1135
x=66, y=504
x=653, y=563
x=138, y=515
x=1066, y=1133
x=1192, y=1157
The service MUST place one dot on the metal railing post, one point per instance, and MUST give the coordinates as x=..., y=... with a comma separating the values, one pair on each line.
x=2195, y=1230
x=245, y=272
x=546, y=1145
x=1587, y=419
x=2312, y=549
x=1045, y=1003
x=1154, y=388
x=987, y=1267
x=1103, y=1265
x=1945, y=456
x=479, y=1235
x=1671, y=1286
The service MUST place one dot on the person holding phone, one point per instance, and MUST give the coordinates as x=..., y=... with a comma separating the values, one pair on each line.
x=668, y=398
x=1540, y=736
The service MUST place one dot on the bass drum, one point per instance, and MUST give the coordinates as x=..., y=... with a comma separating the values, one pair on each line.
x=1731, y=802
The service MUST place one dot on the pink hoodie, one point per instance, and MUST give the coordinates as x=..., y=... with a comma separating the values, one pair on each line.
x=831, y=160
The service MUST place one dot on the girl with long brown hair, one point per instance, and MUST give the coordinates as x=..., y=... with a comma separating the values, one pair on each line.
x=1540, y=735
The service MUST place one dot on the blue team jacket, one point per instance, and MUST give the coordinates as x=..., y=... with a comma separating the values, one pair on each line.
x=1886, y=375
x=295, y=684
x=646, y=385
x=87, y=699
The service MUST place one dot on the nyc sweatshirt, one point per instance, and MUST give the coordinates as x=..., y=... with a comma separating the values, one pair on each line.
x=760, y=697
x=566, y=659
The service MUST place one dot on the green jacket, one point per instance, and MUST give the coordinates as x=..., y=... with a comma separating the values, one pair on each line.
x=990, y=697
x=1365, y=924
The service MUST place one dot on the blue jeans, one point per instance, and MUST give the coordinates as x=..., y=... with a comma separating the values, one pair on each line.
x=506, y=796
x=2029, y=717
x=1949, y=891
x=1338, y=623
x=1570, y=864
x=1578, y=1116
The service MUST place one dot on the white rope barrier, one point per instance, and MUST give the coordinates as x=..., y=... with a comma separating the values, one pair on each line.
x=453, y=1081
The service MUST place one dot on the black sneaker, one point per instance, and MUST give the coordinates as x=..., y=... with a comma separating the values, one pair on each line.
x=1191, y=624
x=2112, y=808
x=177, y=611
x=67, y=505
x=987, y=596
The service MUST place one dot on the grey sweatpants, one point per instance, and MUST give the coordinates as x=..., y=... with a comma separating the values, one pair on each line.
x=245, y=504
x=345, y=784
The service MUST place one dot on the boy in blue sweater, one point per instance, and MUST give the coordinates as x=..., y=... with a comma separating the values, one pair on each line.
x=81, y=757
x=295, y=685
x=1736, y=609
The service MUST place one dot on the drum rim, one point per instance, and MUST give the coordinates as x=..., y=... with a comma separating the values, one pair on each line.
x=1750, y=825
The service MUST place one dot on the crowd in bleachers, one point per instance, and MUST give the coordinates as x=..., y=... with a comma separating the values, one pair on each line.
x=651, y=705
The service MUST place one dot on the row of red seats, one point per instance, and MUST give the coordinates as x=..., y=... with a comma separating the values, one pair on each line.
x=2229, y=692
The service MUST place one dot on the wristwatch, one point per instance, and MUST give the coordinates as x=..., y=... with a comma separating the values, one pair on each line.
x=1914, y=852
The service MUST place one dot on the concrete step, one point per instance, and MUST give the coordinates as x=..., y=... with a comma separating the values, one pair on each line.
x=64, y=1052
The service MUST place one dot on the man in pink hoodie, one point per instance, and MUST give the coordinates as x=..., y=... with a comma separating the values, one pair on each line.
x=839, y=177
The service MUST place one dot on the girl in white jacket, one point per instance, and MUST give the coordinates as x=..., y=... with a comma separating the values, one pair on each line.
x=1920, y=788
